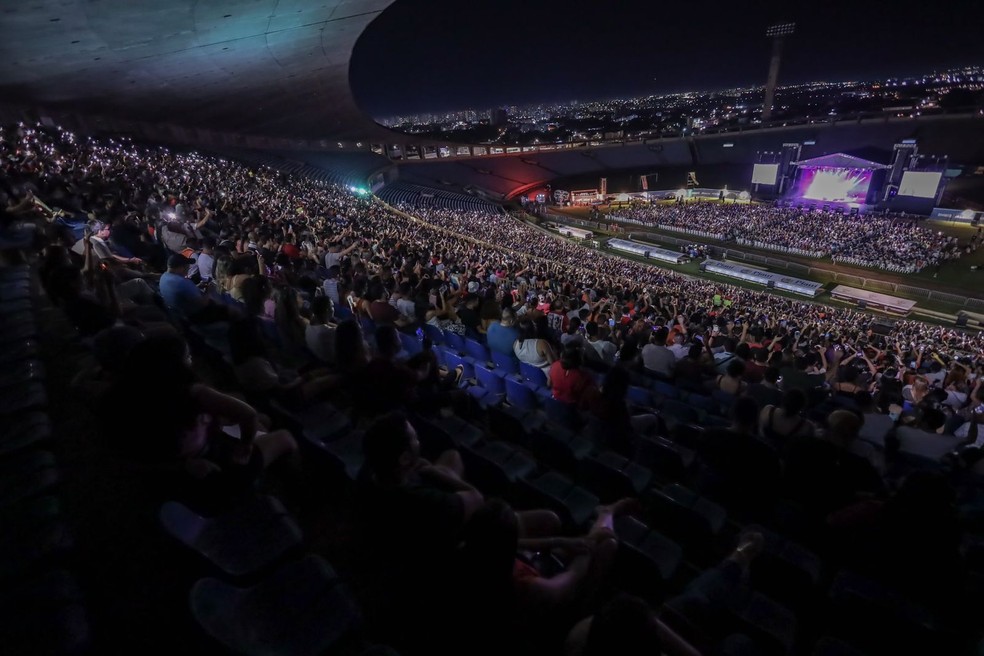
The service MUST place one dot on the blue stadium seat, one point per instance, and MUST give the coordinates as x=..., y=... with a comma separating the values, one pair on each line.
x=493, y=467
x=249, y=538
x=686, y=517
x=411, y=346
x=533, y=375
x=436, y=334
x=453, y=361
x=479, y=352
x=559, y=448
x=678, y=412
x=520, y=396
x=724, y=402
x=647, y=561
x=301, y=609
x=455, y=341
x=786, y=571
x=613, y=477
x=573, y=504
x=563, y=414
x=495, y=386
x=640, y=396
x=664, y=390
x=665, y=459
x=461, y=432
x=505, y=365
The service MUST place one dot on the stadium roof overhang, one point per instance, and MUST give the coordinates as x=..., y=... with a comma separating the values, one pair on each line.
x=275, y=68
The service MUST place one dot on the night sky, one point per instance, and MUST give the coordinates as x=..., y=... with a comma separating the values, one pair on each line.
x=423, y=55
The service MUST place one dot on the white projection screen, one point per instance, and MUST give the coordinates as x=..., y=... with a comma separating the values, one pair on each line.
x=920, y=184
x=765, y=174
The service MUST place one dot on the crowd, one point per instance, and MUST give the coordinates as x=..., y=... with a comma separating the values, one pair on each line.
x=889, y=243
x=310, y=294
x=902, y=248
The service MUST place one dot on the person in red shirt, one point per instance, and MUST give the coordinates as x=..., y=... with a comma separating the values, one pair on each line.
x=291, y=250
x=568, y=382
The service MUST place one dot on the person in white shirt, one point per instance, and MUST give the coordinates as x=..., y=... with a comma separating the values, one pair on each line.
x=402, y=300
x=205, y=262
x=319, y=336
x=679, y=349
x=605, y=349
x=656, y=357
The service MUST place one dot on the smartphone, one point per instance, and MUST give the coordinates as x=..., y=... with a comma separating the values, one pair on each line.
x=611, y=323
x=912, y=365
x=420, y=333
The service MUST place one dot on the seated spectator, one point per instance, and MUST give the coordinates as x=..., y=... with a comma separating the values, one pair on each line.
x=743, y=468
x=503, y=334
x=379, y=309
x=756, y=366
x=731, y=381
x=573, y=333
x=798, y=376
x=823, y=473
x=533, y=350
x=924, y=437
x=767, y=392
x=569, y=383
x=494, y=566
x=263, y=379
x=319, y=335
x=386, y=383
x=111, y=348
x=291, y=327
x=780, y=423
x=692, y=367
x=468, y=314
x=351, y=350
x=876, y=423
x=703, y=607
x=604, y=348
x=158, y=414
x=610, y=418
x=184, y=297
x=911, y=539
x=656, y=357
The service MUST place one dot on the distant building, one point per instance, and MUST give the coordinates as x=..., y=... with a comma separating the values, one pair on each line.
x=498, y=117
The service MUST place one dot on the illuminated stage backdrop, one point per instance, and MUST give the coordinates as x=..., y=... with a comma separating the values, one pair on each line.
x=835, y=185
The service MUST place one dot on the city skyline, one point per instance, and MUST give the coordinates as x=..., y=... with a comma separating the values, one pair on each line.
x=448, y=112
x=430, y=56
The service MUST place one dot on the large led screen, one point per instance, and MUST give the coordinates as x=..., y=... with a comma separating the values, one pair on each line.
x=833, y=185
x=921, y=184
x=765, y=174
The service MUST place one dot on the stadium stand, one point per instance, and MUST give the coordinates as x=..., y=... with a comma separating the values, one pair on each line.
x=328, y=412
x=413, y=195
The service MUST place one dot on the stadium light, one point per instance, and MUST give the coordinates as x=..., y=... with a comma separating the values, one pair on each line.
x=782, y=29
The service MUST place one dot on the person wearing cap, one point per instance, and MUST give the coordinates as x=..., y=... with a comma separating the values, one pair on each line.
x=184, y=297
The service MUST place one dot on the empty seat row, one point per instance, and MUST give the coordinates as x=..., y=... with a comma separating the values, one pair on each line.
x=41, y=604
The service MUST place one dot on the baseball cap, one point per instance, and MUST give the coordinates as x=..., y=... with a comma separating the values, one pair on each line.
x=473, y=287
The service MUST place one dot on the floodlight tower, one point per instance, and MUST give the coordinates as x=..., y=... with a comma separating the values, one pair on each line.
x=778, y=33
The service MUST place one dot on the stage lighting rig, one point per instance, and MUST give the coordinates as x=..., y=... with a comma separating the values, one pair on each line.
x=782, y=29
